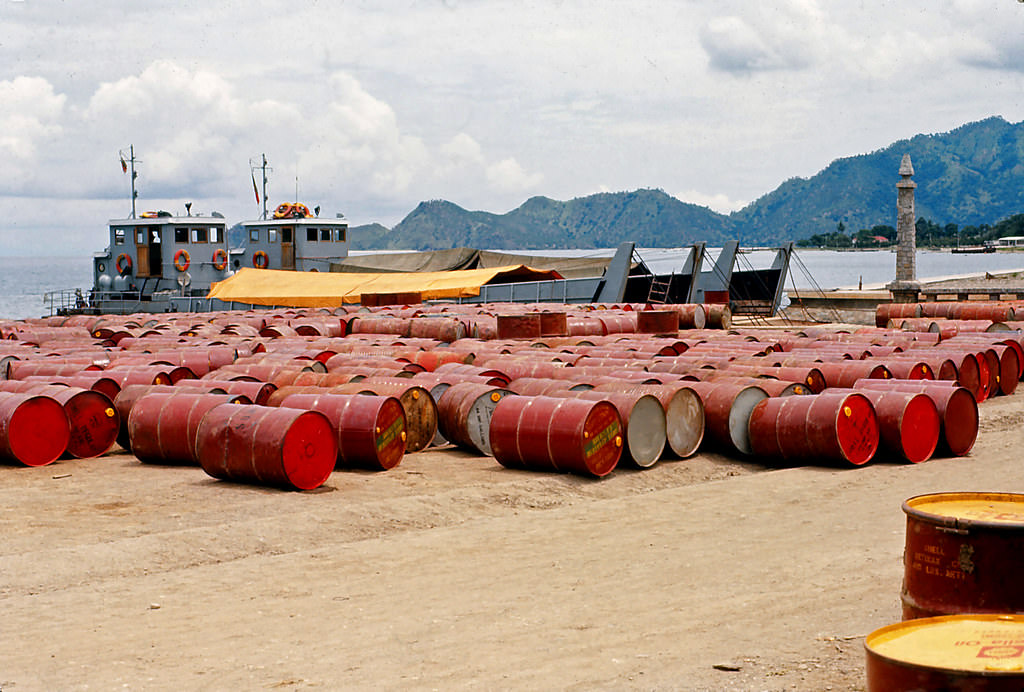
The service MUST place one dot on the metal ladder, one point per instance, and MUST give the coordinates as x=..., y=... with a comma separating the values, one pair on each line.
x=660, y=290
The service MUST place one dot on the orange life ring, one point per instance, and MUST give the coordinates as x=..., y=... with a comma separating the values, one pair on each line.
x=181, y=260
x=283, y=211
x=260, y=260
x=220, y=259
x=124, y=263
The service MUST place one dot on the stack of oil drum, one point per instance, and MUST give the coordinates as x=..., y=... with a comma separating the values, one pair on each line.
x=284, y=397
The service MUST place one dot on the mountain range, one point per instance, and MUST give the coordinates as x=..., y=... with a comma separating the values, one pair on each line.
x=969, y=176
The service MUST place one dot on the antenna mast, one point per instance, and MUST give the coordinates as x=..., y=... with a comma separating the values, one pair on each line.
x=124, y=167
x=263, y=167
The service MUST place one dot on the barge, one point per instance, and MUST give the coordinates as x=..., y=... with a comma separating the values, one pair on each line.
x=159, y=262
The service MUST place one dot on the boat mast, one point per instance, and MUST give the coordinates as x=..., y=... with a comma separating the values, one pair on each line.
x=125, y=168
x=263, y=167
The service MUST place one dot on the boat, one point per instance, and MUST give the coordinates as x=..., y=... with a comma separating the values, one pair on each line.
x=158, y=262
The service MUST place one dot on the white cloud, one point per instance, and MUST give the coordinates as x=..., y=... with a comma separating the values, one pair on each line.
x=30, y=113
x=509, y=175
x=719, y=202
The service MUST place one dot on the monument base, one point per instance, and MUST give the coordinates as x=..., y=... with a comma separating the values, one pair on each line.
x=905, y=291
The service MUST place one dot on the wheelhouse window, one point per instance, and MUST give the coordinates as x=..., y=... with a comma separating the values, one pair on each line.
x=198, y=235
x=339, y=235
x=216, y=234
x=311, y=235
x=180, y=234
x=286, y=234
x=119, y=236
x=271, y=235
x=325, y=235
x=254, y=235
x=140, y=236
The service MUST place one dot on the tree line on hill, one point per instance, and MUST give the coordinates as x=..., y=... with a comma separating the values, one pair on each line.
x=929, y=235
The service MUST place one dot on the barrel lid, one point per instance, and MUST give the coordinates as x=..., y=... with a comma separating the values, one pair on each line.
x=966, y=509
x=989, y=644
x=602, y=439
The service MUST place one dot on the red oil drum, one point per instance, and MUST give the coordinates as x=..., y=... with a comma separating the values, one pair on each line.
x=727, y=408
x=643, y=424
x=283, y=447
x=657, y=322
x=958, y=411
x=420, y=409
x=845, y=373
x=691, y=315
x=256, y=392
x=719, y=316
x=464, y=414
x=34, y=429
x=551, y=434
x=825, y=428
x=95, y=380
x=684, y=417
x=91, y=416
x=538, y=386
x=93, y=421
x=976, y=653
x=888, y=311
x=162, y=425
x=908, y=423
x=370, y=429
x=964, y=554
x=526, y=326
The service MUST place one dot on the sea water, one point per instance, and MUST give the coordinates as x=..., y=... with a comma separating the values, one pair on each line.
x=24, y=281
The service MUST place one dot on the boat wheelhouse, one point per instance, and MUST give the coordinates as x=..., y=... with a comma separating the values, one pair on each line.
x=158, y=257
x=293, y=240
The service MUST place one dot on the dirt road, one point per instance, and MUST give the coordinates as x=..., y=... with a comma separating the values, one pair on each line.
x=450, y=572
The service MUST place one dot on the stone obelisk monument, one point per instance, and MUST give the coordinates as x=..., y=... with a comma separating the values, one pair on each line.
x=905, y=288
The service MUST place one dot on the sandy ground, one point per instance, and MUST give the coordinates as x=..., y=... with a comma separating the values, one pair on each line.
x=450, y=572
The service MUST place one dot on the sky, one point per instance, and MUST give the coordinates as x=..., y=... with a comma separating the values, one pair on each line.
x=368, y=108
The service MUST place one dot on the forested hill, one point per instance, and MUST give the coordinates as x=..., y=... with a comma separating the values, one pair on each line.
x=972, y=175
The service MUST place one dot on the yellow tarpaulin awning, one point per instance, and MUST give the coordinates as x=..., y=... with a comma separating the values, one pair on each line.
x=331, y=289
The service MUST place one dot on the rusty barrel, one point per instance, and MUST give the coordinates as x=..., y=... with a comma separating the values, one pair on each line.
x=370, y=429
x=256, y=392
x=888, y=311
x=95, y=381
x=833, y=428
x=283, y=447
x=643, y=424
x=684, y=413
x=727, y=408
x=908, y=422
x=956, y=406
x=970, y=652
x=34, y=429
x=657, y=322
x=552, y=434
x=845, y=373
x=93, y=421
x=420, y=409
x=964, y=553
x=129, y=395
x=542, y=386
x=464, y=413
x=162, y=425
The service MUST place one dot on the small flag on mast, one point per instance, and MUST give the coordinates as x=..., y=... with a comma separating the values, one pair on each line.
x=124, y=165
x=255, y=190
